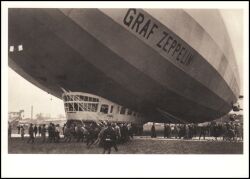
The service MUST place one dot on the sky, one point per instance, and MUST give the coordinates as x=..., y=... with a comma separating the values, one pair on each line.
x=22, y=94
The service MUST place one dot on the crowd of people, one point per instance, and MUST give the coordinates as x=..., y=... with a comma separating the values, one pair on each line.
x=225, y=131
x=104, y=134
x=108, y=135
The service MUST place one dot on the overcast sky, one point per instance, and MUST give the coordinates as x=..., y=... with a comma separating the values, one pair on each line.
x=22, y=94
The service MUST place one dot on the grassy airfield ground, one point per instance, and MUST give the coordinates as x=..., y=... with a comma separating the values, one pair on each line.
x=139, y=145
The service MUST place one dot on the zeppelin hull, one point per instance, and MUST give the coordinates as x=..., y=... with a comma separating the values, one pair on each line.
x=94, y=51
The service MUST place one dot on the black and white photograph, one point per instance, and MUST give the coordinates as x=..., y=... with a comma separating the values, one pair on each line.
x=86, y=80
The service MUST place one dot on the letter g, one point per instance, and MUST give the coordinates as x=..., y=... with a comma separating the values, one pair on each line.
x=129, y=18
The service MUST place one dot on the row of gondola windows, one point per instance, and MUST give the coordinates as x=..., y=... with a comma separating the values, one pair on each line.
x=79, y=98
x=81, y=107
x=92, y=107
x=129, y=111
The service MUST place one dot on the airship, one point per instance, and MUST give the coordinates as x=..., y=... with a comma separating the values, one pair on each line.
x=127, y=65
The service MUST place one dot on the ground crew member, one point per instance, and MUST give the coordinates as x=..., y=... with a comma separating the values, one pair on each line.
x=22, y=132
x=67, y=133
x=57, y=133
x=18, y=129
x=35, y=130
x=202, y=132
x=241, y=131
x=165, y=130
x=118, y=132
x=109, y=139
x=79, y=134
x=100, y=138
x=43, y=133
x=53, y=132
x=168, y=128
x=39, y=130
x=31, y=133
x=176, y=131
x=153, y=133
x=9, y=131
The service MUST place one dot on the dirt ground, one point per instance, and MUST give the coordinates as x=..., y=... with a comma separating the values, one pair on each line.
x=138, y=145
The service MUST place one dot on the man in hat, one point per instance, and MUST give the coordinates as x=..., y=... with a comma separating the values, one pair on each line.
x=57, y=133
x=39, y=130
x=202, y=130
x=175, y=131
x=168, y=131
x=116, y=135
x=153, y=133
x=35, y=130
x=43, y=133
x=117, y=132
x=31, y=134
x=50, y=132
x=18, y=129
x=108, y=139
x=22, y=132
x=237, y=131
x=100, y=138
